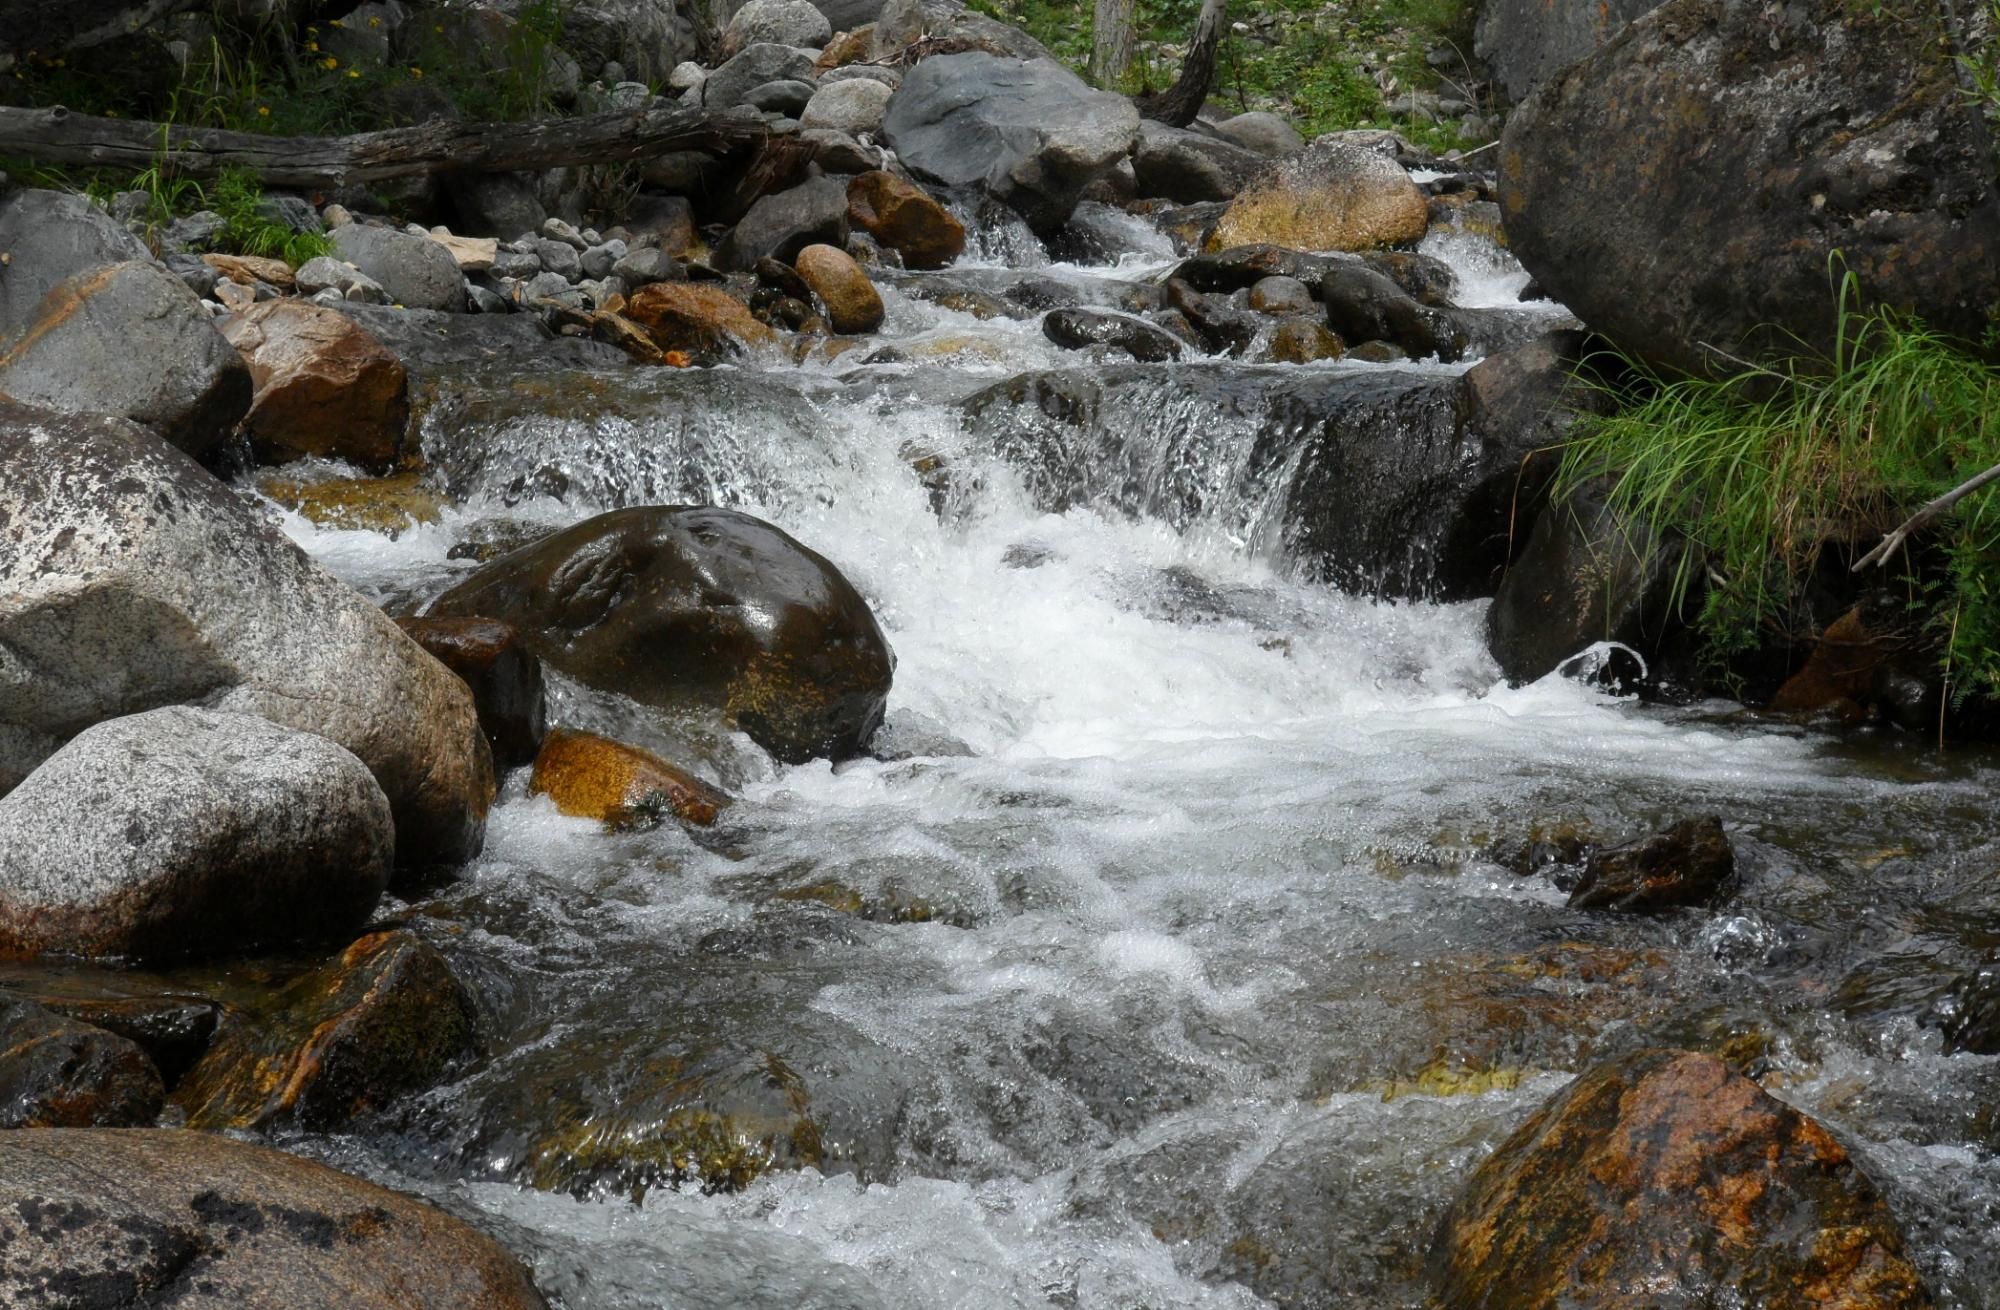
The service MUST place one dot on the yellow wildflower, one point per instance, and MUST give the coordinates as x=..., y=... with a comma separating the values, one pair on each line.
x=374, y=22
x=329, y=63
x=416, y=72
x=312, y=47
x=263, y=111
x=354, y=72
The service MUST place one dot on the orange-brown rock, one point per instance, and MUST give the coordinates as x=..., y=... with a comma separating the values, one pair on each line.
x=1685, y=864
x=1840, y=673
x=383, y=1019
x=1304, y=340
x=1333, y=195
x=1663, y=1179
x=249, y=270
x=701, y=321
x=853, y=305
x=323, y=385
x=899, y=215
x=505, y=677
x=623, y=786
x=157, y=1217
x=845, y=48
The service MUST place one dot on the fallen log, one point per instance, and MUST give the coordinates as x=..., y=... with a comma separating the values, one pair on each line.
x=58, y=137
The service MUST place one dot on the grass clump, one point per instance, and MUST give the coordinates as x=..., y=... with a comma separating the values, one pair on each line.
x=1768, y=470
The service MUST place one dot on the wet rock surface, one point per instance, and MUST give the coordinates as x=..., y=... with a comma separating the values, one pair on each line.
x=699, y=608
x=1665, y=1179
x=1686, y=864
x=58, y=1073
x=214, y=1223
x=905, y=219
x=190, y=832
x=508, y=690
x=1335, y=195
x=620, y=785
x=323, y=386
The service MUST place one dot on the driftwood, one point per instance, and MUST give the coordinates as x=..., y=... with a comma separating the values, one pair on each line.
x=57, y=136
x=1178, y=104
x=1925, y=516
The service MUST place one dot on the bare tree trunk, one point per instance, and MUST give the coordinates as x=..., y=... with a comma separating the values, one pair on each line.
x=1113, y=36
x=1178, y=104
x=56, y=136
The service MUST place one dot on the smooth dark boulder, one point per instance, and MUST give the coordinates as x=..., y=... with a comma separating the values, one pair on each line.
x=1075, y=329
x=1685, y=864
x=129, y=340
x=384, y=1019
x=505, y=678
x=1525, y=43
x=1029, y=133
x=132, y=578
x=699, y=608
x=1968, y=1013
x=1687, y=185
x=183, y=831
x=58, y=1073
x=152, y=1217
x=1187, y=167
x=1664, y=1180
x=1587, y=575
x=782, y=224
x=754, y=66
x=1364, y=305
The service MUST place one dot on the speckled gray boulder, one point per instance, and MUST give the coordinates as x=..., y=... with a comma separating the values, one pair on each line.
x=418, y=273
x=131, y=578
x=129, y=339
x=779, y=22
x=48, y=236
x=853, y=106
x=187, y=832
x=729, y=85
x=1027, y=131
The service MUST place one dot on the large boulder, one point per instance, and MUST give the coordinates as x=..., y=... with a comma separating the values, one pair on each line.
x=190, y=832
x=131, y=340
x=782, y=224
x=697, y=608
x=776, y=22
x=852, y=105
x=1665, y=1179
x=1336, y=194
x=1027, y=131
x=48, y=237
x=156, y=1216
x=417, y=272
x=752, y=67
x=1524, y=43
x=323, y=386
x=383, y=1019
x=647, y=37
x=1687, y=185
x=131, y=578
x=899, y=215
x=1187, y=167
x=58, y=1073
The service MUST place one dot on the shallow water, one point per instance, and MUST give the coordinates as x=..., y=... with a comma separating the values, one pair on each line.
x=1164, y=965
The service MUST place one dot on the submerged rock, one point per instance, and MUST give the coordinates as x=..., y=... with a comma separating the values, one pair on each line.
x=141, y=1217
x=323, y=386
x=1684, y=865
x=1665, y=1179
x=134, y=579
x=1029, y=133
x=384, y=1019
x=1334, y=195
x=188, y=832
x=132, y=341
x=1764, y=143
x=1075, y=329
x=58, y=1073
x=705, y=609
x=621, y=786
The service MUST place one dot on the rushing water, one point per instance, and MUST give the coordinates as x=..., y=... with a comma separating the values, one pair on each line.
x=1161, y=963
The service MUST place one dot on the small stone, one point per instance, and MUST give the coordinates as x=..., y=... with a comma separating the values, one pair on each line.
x=505, y=677
x=485, y=300
x=644, y=267
x=1280, y=295
x=560, y=258
x=1685, y=865
x=555, y=229
x=622, y=786
x=472, y=254
x=335, y=216
x=852, y=303
x=687, y=76
x=598, y=261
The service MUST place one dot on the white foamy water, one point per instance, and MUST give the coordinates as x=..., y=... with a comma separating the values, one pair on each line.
x=1181, y=883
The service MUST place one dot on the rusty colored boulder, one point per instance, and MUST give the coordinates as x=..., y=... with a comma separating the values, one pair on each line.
x=382, y=1020
x=1665, y=1180
x=323, y=386
x=58, y=1073
x=158, y=1216
x=506, y=680
x=703, y=322
x=622, y=786
x=1684, y=865
x=700, y=609
x=249, y=270
x=1333, y=195
x=853, y=305
x=901, y=216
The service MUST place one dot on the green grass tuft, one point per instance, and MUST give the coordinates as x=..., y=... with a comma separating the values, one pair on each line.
x=1766, y=470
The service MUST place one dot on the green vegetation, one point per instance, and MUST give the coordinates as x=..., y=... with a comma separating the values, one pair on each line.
x=1326, y=66
x=1766, y=470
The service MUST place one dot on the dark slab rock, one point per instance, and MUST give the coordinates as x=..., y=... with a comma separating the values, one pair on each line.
x=58, y=1073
